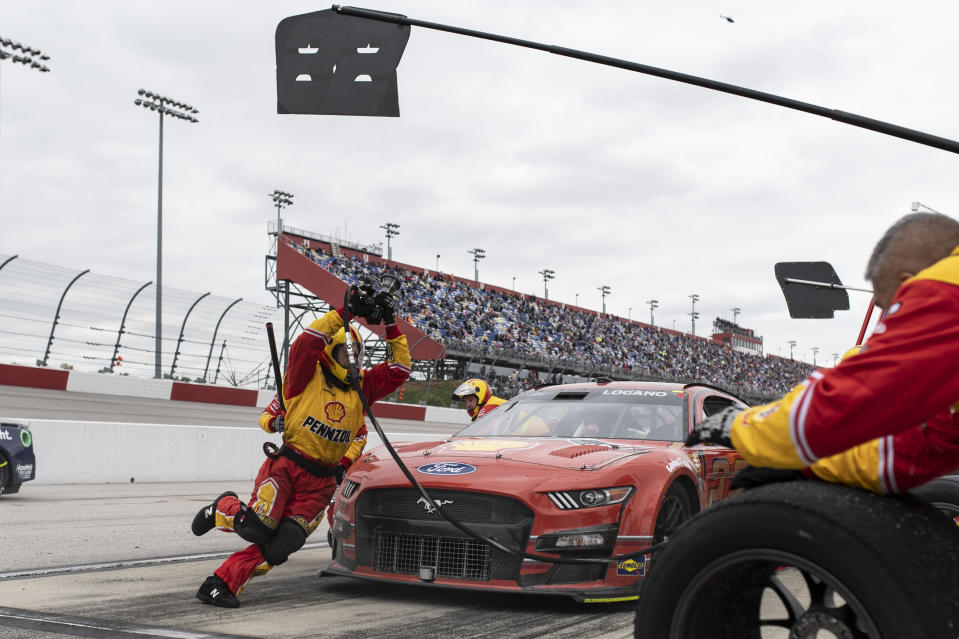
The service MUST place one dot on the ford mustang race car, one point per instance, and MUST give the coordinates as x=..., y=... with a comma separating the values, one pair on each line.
x=591, y=470
x=17, y=463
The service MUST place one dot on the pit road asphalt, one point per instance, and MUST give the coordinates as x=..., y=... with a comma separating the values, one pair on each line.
x=119, y=560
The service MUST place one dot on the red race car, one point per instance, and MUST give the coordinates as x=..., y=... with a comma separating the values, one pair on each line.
x=587, y=470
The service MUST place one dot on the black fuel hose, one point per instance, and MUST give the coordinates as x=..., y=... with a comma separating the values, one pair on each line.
x=355, y=382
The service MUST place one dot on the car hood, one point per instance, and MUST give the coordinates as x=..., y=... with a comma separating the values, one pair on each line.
x=571, y=453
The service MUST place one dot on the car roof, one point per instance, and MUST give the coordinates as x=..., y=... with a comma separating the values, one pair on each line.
x=631, y=385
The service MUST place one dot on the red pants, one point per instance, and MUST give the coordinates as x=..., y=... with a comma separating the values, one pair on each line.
x=282, y=490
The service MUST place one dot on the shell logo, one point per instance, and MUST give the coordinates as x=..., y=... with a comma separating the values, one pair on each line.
x=335, y=411
x=485, y=445
x=697, y=462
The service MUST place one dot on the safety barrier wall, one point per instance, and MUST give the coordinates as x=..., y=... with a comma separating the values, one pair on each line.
x=75, y=452
x=73, y=381
x=446, y=415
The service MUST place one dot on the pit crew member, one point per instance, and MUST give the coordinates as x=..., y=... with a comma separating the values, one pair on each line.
x=884, y=419
x=323, y=433
x=478, y=396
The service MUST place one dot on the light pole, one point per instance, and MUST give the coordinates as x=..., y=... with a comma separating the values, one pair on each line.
x=653, y=304
x=815, y=349
x=629, y=314
x=792, y=345
x=736, y=311
x=547, y=276
x=514, y=282
x=175, y=109
x=918, y=205
x=478, y=254
x=577, y=300
x=693, y=314
x=605, y=290
x=437, y=262
x=835, y=358
x=280, y=199
x=391, y=232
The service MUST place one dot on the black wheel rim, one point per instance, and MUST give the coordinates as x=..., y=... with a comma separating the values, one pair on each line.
x=673, y=512
x=765, y=593
x=5, y=471
x=949, y=510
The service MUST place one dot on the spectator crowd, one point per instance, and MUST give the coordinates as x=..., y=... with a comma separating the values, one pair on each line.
x=510, y=326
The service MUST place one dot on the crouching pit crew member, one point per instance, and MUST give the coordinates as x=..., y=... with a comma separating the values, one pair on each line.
x=478, y=396
x=323, y=434
x=884, y=419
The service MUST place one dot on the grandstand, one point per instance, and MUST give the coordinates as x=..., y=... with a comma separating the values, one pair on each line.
x=458, y=327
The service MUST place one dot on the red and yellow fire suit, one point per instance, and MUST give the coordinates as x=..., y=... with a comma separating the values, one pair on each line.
x=491, y=404
x=884, y=419
x=325, y=423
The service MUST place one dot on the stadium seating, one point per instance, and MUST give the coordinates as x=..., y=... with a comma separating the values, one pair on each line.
x=511, y=326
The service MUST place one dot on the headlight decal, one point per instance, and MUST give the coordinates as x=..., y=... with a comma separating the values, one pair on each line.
x=563, y=501
x=349, y=487
x=589, y=498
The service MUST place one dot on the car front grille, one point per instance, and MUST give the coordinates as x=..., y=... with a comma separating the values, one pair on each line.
x=450, y=557
x=409, y=504
x=399, y=532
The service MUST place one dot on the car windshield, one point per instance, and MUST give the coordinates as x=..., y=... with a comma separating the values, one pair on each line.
x=618, y=414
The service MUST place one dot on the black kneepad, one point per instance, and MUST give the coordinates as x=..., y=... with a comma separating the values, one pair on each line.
x=248, y=525
x=288, y=538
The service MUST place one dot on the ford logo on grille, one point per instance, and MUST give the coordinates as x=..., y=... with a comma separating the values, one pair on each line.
x=446, y=468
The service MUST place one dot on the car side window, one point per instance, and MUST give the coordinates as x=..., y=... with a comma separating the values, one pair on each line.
x=712, y=404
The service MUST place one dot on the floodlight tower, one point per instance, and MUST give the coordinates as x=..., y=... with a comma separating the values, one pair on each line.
x=8, y=51
x=23, y=54
x=653, y=304
x=736, y=311
x=280, y=199
x=604, y=291
x=815, y=349
x=181, y=111
x=478, y=254
x=547, y=276
x=391, y=232
x=693, y=314
x=792, y=345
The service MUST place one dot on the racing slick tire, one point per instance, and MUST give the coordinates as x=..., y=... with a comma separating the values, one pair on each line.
x=7, y=487
x=943, y=494
x=674, y=511
x=806, y=558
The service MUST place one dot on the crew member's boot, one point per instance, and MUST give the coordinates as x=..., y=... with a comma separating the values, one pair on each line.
x=215, y=592
x=205, y=520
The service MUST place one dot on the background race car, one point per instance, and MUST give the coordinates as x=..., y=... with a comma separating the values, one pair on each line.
x=591, y=470
x=17, y=462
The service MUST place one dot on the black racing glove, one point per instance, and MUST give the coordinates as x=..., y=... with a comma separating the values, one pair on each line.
x=279, y=424
x=384, y=301
x=339, y=471
x=754, y=476
x=715, y=429
x=362, y=303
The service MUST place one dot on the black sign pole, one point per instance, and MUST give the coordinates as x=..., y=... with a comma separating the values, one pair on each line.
x=834, y=114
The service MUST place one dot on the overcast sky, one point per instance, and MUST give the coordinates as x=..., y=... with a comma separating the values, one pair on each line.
x=656, y=189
